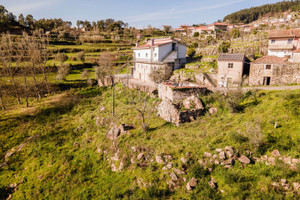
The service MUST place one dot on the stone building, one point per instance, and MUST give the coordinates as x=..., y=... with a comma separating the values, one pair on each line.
x=231, y=69
x=180, y=103
x=157, y=53
x=273, y=70
x=217, y=26
x=175, y=92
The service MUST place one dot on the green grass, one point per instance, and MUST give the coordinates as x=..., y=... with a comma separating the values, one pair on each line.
x=52, y=167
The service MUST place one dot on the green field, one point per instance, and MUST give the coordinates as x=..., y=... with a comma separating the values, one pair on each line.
x=64, y=160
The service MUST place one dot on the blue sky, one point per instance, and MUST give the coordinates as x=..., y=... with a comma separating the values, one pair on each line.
x=138, y=13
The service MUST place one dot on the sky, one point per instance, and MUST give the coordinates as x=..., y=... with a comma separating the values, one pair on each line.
x=137, y=13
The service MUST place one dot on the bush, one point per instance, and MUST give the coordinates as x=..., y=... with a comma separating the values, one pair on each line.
x=196, y=34
x=191, y=52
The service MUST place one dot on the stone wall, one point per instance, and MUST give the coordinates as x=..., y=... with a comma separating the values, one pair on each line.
x=280, y=74
x=182, y=112
x=175, y=94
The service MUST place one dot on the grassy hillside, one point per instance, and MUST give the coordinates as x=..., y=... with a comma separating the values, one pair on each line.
x=67, y=156
x=252, y=14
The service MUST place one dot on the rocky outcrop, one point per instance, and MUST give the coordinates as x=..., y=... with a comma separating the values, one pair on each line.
x=115, y=131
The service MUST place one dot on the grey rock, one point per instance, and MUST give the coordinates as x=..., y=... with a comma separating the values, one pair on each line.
x=276, y=153
x=207, y=155
x=140, y=156
x=244, y=159
x=178, y=171
x=113, y=133
x=215, y=156
x=191, y=184
x=213, y=111
x=229, y=148
x=272, y=160
x=159, y=160
x=296, y=186
x=229, y=161
x=212, y=184
x=184, y=160
x=222, y=155
x=173, y=176
x=219, y=150
x=169, y=165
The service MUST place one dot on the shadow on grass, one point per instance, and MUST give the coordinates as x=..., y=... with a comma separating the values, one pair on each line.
x=169, y=124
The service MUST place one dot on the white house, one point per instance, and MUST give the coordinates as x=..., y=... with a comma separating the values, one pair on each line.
x=157, y=53
x=283, y=42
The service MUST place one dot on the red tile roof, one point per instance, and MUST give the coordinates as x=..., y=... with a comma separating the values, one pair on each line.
x=203, y=28
x=271, y=60
x=157, y=42
x=284, y=33
x=219, y=24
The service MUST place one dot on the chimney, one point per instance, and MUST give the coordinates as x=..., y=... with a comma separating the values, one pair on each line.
x=152, y=42
x=137, y=44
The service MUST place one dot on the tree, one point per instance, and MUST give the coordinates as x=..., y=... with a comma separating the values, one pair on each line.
x=61, y=57
x=106, y=71
x=191, y=52
x=224, y=47
x=235, y=33
x=21, y=20
x=196, y=34
x=63, y=72
x=29, y=21
x=142, y=112
x=161, y=74
x=81, y=57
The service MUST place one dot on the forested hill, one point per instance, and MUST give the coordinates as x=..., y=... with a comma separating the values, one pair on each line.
x=252, y=14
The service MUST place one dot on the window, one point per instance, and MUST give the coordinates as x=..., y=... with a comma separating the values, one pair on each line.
x=155, y=55
x=272, y=41
x=146, y=55
x=268, y=67
x=230, y=65
x=139, y=55
x=290, y=41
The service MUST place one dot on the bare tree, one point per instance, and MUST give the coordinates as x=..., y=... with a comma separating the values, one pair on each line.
x=142, y=112
x=161, y=74
x=81, y=57
x=106, y=72
x=7, y=58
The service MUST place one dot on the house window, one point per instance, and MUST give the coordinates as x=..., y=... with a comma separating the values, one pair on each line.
x=268, y=67
x=155, y=55
x=139, y=55
x=272, y=41
x=290, y=41
x=173, y=46
x=230, y=65
x=146, y=55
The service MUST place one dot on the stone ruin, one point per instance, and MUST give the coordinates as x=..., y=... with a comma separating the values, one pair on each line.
x=187, y=106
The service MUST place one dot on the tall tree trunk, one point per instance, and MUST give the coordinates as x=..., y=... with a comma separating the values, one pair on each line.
x=2, y=103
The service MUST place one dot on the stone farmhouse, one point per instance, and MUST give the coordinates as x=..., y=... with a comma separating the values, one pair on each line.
x=231, y=69
x=164, y=53
x=282, y=64
x=217, y=26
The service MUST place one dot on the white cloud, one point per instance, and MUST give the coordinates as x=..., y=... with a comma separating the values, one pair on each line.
x=174, y=13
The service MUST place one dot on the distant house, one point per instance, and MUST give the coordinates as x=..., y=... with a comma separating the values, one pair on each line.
x=231, y=69
x=166, y=27
x=273, y=70
x=201, y=30
x=157, y=53
x=217, y=26
x=283, y=42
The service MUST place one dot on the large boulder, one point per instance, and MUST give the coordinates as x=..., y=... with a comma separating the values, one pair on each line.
x=244, y=159
x=113, y=133
x=191, y=184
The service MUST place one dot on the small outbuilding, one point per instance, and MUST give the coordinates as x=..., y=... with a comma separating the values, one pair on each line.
x=231, y=69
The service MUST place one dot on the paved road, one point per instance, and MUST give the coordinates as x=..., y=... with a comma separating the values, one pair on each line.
x=292, y=87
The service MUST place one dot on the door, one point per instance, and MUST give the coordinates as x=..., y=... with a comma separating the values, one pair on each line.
x=229, y=82
x=267, y=80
